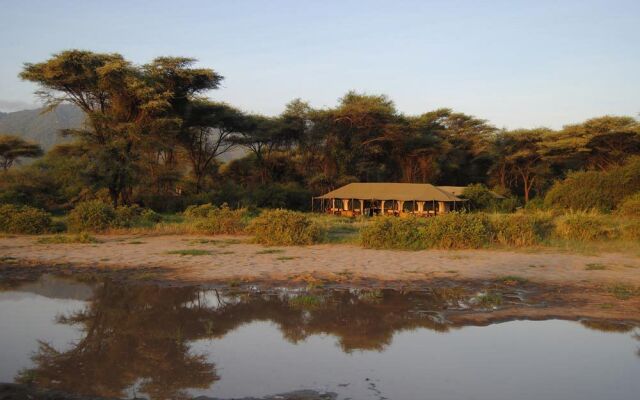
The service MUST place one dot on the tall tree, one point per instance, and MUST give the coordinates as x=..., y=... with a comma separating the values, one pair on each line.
x=13, y=148
x=465, y=156
x=598, y=143
x=208, y=132
x=524, y=160
x=261, y=136
x=126, y=106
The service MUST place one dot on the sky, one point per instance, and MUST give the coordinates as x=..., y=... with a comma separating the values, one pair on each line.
x=518, y=64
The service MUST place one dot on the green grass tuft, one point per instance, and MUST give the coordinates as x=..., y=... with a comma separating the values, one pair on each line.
x=62, y=239
x=270, y=251
x=595, y=267
x=623, y=291
x=512, y=280
x=190, y=252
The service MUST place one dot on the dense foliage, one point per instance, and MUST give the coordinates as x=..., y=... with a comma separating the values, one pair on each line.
x=210, y=219
x=521, y=229
x=153, y=139
x=630, y=206
x=283, y=227
x=24, y=219
x=603, y=189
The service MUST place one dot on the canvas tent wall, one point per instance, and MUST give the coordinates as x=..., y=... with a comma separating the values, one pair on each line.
x=396, y=193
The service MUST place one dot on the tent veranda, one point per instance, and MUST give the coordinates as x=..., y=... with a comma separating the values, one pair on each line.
x=387, y=198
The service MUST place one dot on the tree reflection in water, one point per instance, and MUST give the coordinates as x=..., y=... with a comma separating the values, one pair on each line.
x=139, y=335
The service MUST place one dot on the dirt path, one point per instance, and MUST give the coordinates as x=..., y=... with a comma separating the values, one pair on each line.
x=229, y=258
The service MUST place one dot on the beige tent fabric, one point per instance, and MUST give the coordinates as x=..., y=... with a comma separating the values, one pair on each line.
x=391, y=191
x=459, y=190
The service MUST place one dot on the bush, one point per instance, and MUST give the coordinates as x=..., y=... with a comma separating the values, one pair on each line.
x=199, y=211
x=91, y=216
x=393, y=233
x=630, y=206
x=210, y=219
x=600, y=190
x=24, y=219
x=283, y=227
x=126, y=216
x=583, y=226
x=458, y=230
x=480, y=197
x=134, y=215
x=631, y=231
x=521, y=229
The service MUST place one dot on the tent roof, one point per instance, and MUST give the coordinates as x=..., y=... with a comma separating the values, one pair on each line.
x=459, y=190
x=391, y=191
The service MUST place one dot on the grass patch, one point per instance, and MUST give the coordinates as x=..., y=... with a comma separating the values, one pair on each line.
x=190, y=252
x=8, y=259
x=270, y=251
x=286, y=258
x=305, y=301
x=489, y=299
x=512, y=280
x=63, y=239
x=136, y=242
x=595, y=267
x=216, y=242
x=623, y=291
x=345, y=273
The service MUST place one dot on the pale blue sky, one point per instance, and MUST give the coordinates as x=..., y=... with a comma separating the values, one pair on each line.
x=515, y=63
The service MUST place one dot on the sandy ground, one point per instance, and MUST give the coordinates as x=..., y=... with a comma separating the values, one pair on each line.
x=236, y=258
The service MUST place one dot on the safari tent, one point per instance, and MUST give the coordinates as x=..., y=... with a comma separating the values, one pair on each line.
x=420, y=199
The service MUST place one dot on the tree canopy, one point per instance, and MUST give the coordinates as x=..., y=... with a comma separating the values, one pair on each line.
x=13, y=148
x=153, y=137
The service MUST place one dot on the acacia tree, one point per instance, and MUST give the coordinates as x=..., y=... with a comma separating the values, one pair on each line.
x=125, y=105
x=12, y=148
x=261, y=136
x=524, y=160
x=598, y=143
x=465, y=156
x=209, y=131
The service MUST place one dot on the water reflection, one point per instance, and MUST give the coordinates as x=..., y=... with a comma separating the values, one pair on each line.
x=139, y=336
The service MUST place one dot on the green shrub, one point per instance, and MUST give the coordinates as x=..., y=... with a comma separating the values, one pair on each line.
x=583, y=226
x=521, y=229
x=393, y=233
x=601, y=190
x=126, y=216
x=213, y=220
x=134, y=215
x=480, y=197
x=283, y=227
x=457, y=231
x=91, y=216
x=199, y=211
x=24, y=219
x=630, y=206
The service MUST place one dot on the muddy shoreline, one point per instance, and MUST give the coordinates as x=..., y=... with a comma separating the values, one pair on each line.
x=560, y=284
x=542, y=301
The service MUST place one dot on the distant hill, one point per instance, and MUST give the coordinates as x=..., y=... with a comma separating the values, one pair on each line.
x=41, y=128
